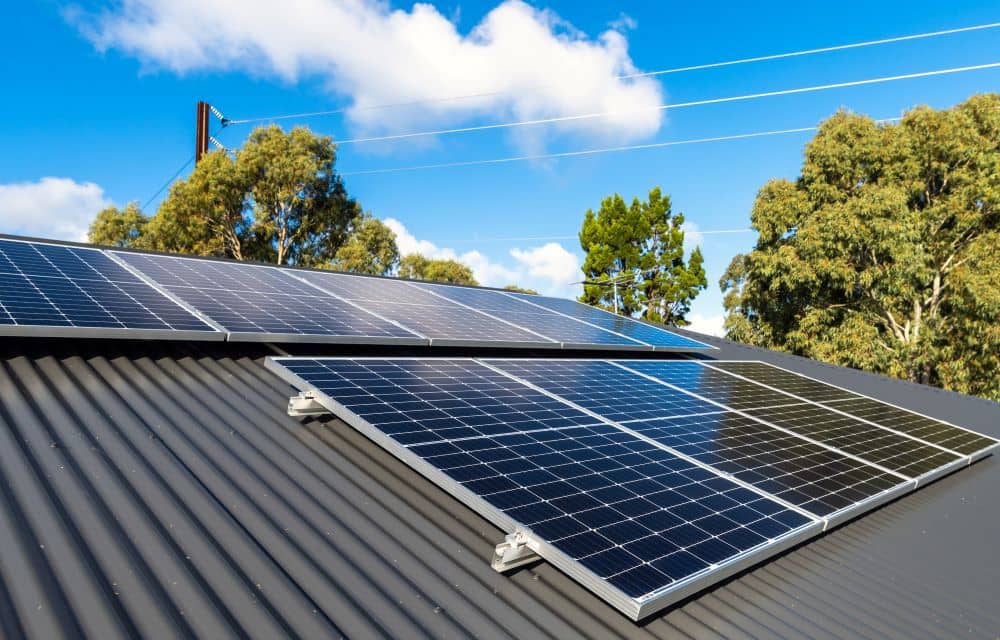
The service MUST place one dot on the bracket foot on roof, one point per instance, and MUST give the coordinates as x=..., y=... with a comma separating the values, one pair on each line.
x=513, y=552
x=305, y=404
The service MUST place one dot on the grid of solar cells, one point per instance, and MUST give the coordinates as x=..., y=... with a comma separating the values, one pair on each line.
x=255, y=299
x=601, y=387
x=915, y=425
x=912, y=424
x=612, y=322
x=868, y=442
x=62, y=286
x=428, y=400
x=800, y=472
x=709, y=383
x=552, y=325
x=785, y=380
x=632, y=513
x=420, y=311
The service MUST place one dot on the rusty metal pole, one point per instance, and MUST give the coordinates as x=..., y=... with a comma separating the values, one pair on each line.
x=201, y=131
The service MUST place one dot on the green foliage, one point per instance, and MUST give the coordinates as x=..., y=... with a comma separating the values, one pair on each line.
x=418, y=267
x=517, y=289
x=883, y=255
x=278, y=200
x=641, y=247
x=114, y=227
x=370, y=248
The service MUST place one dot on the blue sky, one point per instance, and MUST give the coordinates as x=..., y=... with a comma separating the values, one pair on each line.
x=100, y=105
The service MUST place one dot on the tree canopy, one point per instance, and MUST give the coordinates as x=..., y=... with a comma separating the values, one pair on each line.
x=517, y=289
x=641, y=247
x=278, y=199
x=419, y=267
x=885, y=253
x=370, y=248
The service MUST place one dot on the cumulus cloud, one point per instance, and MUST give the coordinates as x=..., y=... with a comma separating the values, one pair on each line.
x=58, y=208
x=519, y=62
x=549, y=269
x=707, y=324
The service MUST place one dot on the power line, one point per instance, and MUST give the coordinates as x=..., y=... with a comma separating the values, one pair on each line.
x=589, y=152
x=706, y=232
x=697, y=67
x=676, y=105
x=167, y=183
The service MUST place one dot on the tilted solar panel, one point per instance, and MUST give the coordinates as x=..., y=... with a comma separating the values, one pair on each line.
x=62, y=290
x=633, y=521
x=571, y=333
x=635, y=477
x=924, y=428
x=262, y=303
x=443, y=323
x=661, y=339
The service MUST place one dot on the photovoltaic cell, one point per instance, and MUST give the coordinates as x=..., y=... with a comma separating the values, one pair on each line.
x=629, y=512
x=868, y=442
x=601, y=387
x=797, y=385
x=554, y=326
x=253, y=301
x=63, y=287
x=711, y=384
x=800, y=472
x=612, y=322
x=423, y=312
x=914, y=425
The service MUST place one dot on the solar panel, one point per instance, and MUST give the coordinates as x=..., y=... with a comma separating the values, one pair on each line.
x=571, y=333
x=444, y=323
x=827, y=482
x=660, y=339
x=935, y=432
x=633, y=521
x=50, y=289
x=261, y=303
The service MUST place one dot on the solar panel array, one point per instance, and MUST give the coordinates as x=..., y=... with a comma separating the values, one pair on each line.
x=645, y=480
x=56, y=290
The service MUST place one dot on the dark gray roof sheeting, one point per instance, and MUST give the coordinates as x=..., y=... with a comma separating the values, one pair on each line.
x=160, y=490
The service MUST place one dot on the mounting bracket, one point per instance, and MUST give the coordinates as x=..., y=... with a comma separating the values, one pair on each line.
x=305, y=404
x=513, y=552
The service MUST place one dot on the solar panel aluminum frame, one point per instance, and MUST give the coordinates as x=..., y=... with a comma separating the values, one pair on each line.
x=634, y=608
x=661, y=349
x=967, y=459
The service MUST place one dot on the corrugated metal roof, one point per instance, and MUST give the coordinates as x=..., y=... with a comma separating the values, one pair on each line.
x=160, y=490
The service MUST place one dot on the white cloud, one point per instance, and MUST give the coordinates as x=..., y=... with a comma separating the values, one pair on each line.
x=531, y=63
x=58, y=208
x=549, y=269
x=710, y=324
x=692, y=236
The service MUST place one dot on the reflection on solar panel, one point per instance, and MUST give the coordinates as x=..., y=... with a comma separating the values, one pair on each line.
x=601, y=387
x=876, y=412
x=255, y=302
x=558, y=327
x=48, y=289
x=662, y=340
x=644, y=480
x=633, y=521
x=443, y=323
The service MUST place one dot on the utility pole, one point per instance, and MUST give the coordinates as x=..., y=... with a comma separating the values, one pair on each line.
x=201, y=131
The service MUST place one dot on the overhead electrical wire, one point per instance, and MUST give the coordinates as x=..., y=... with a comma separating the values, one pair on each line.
x=591, y=152
x=660, y=72
x=676, y=105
